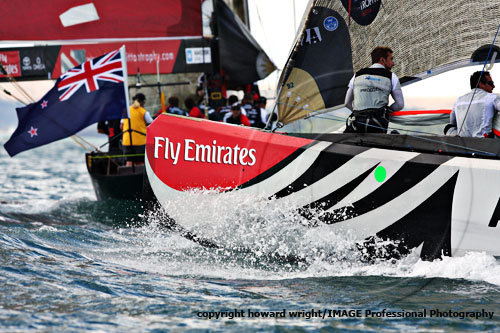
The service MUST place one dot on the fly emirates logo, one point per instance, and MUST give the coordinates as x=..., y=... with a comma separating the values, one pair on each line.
x=193, y=152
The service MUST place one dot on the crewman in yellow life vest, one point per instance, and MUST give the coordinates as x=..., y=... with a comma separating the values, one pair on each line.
x=134, y=130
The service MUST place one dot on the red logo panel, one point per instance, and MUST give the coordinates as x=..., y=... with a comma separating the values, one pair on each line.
x=10, y=61
x=187, y=153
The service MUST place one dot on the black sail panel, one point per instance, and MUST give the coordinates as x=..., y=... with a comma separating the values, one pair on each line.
x=320, y=67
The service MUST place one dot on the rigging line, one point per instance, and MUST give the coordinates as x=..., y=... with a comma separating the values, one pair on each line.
x=14, y=97
x=350, y=7
x=480, y=76
x=335, y=118
x=78, y=142
x=19, y=87
x=378, y=127
x=15, y=83
x=427, y=139
x=87, y=142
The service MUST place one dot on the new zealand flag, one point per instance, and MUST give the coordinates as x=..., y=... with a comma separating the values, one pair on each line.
x=91, y=92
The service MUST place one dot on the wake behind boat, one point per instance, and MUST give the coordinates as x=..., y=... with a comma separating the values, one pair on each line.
x=395, y=192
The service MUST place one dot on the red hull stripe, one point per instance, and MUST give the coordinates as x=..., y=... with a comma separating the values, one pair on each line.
x=283, y=163
x=419, y=112
x=188, y=153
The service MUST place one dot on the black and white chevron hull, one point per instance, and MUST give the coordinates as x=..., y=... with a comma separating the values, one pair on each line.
x=440, y=204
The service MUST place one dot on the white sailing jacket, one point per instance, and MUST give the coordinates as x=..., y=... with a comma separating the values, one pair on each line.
x=478, y=120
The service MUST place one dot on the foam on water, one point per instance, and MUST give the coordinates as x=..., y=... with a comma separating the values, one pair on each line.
x=267, y=239
x=41, y=178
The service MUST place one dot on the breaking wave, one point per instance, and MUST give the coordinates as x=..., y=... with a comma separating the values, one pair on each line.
x=267, y=239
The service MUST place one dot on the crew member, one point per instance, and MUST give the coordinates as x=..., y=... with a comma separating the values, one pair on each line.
x=368, y=95
x=139, y=119
x=223, y=110
x=112, y=129
x=255, y=115
x=261, y=104
x=192, y=109
x=472, y=115
x=236, y=116
x=172, y=108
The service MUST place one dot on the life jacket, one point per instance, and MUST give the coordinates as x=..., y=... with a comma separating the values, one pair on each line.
x=176, y=110
x=253, y=115
x=137, y=123
x=222, y=111
x=372, y=87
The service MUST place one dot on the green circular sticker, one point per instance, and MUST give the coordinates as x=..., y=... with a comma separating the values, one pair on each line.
x=380, y=174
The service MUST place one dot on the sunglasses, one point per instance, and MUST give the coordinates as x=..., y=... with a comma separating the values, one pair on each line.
x=490, y=83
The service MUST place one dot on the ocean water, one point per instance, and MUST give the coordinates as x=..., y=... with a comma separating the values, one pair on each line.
x=69, y=263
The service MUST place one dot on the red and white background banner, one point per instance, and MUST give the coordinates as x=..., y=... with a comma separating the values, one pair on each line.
x=10, y=62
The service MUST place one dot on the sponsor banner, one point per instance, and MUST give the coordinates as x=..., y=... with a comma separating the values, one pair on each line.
x=71, y=19
x=141, y=56
x=38, y=61
x=198, y=55
x=212, y=155
x=10, y=62
x=50, y=62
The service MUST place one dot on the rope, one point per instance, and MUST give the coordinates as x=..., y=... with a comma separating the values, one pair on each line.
x=14, y=97
x=79, y=143
x=114, y=156
x=87, y=142
x=335, y=118
x=15, y=84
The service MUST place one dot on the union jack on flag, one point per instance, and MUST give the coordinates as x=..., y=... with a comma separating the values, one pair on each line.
x=105, y=68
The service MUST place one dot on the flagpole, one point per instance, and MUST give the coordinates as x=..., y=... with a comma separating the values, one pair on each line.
x=123, y=56
x=158, y=76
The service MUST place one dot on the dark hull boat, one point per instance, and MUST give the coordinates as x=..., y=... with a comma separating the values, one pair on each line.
x=396, y=193
x=111, y=179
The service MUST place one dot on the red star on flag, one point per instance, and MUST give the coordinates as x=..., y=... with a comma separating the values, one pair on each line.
x=44, y=104
x=33, y=131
